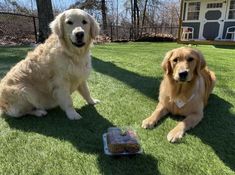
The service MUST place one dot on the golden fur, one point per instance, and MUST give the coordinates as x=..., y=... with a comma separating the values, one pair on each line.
x=187, y=95
x=49, y=74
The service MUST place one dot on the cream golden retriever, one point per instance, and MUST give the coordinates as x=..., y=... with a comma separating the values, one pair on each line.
x=185, y=90
x=49, y=74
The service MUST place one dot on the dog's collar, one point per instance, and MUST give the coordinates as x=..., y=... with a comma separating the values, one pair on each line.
x=180, y=103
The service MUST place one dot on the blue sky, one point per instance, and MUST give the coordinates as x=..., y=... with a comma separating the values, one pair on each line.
x=58, y=4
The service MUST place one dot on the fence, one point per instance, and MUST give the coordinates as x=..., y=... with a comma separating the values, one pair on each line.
x=23, y=29
x=18, y=28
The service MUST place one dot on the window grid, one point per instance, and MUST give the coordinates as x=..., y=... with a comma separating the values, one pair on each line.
x=231, y=14
x=214, y=5
x=193, y=10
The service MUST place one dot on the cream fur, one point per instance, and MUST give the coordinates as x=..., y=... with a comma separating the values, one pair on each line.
x=49, y=74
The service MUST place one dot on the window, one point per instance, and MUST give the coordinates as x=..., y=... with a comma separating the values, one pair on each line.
x=214, y=5
x=231, y=14
x=193, y=10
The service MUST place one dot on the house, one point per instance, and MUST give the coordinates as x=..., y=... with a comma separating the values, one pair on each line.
x=207, y=21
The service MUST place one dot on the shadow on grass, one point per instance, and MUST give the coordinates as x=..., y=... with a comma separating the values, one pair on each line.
x=225, y=47
x=86, y=136
x=217, y=129
x=144, y=84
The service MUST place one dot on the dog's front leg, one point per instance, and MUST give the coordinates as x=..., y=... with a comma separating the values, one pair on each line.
x=159, y=112
x=65, y=102
x=189, y=122
x=85, y=93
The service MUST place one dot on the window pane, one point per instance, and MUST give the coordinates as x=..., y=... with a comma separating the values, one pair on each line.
x=193, y=6
x=193, y=15
x=193, y=10
x=232, y=4
x=231, y=14
x=214, y=5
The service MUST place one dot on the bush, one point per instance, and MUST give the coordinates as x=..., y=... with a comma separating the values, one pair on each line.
x=156, y=38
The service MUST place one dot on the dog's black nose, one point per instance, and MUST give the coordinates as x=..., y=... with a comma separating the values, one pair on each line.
x=79, y=35
x=183, y=75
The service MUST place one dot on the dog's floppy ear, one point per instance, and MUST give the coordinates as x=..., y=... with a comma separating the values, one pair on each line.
x=166, y=63
x=201, y=64
x=57, y=25
x=94, y=27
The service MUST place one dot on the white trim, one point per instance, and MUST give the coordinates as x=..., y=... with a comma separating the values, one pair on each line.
x=221, y=20
x=232, y=33
x=227, y=12
x=186, y=11
x=203, y=9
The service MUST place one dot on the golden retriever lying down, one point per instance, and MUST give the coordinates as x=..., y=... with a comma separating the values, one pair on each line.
x=184, y=90
x=49, y=74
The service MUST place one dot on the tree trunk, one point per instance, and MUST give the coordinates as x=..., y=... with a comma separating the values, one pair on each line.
x=144, y=12
x=45, y=16
x=103, y=11
x=136, y=19
x=143, y=18
x=132, y=21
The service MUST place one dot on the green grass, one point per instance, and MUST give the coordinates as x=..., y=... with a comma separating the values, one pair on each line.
x=126, y=79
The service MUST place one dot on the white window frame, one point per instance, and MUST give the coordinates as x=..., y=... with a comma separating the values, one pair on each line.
x=214, y=7
x=186, y=12
x=228, y=9
x=204, y=9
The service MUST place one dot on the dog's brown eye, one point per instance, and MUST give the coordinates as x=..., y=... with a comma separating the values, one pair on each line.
x=84, y=22
x=175, y=60
x=69, y=22
x=190, y=59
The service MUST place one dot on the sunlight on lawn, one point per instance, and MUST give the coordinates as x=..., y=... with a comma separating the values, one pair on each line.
x=126, y=78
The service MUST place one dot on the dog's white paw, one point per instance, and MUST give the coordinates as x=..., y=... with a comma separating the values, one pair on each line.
x=73, y=115
x=175, y=135
x=148, y=123
x=94, y=101
x=38, y=112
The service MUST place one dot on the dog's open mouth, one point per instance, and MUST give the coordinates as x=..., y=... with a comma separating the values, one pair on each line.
x=78, y=44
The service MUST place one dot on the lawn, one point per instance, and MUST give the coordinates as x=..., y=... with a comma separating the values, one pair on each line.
x=126, y=78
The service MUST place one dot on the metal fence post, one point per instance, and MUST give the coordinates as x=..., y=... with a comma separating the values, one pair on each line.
x=111, y=33
x=35, y=29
